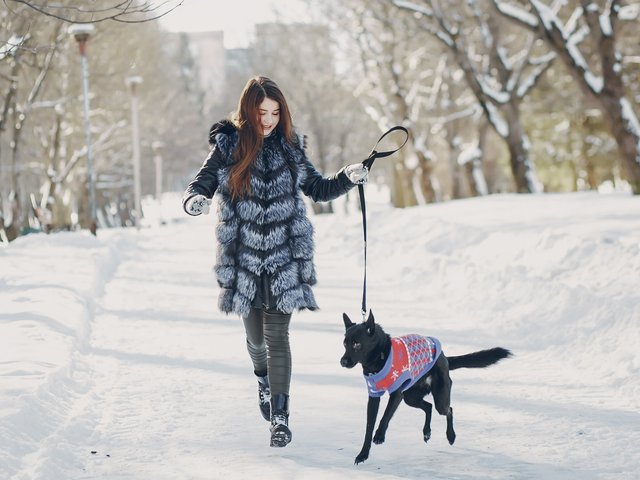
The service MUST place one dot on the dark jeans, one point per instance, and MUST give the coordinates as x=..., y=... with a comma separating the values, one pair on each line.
x=268, y=345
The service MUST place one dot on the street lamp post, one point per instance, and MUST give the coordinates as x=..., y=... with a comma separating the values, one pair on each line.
x=133, y=82
x=81, y=33
x=157, y=160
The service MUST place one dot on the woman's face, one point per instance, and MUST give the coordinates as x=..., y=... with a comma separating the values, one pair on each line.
x=269, y=115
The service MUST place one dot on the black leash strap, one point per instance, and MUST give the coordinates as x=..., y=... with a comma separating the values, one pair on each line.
x=368, y=162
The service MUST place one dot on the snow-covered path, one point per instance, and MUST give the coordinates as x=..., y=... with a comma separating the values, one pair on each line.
x=122, y=367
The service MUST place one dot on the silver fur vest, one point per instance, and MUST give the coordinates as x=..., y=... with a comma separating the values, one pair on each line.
x=267, y=234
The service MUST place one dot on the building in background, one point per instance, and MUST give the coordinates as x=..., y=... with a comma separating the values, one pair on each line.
x=207, y=50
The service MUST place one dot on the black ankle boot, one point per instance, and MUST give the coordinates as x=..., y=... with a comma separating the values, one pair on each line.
x=264, y=397
x=280, y=433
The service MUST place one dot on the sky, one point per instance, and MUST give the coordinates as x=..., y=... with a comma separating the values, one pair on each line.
x=236, y=18
x=116, y=363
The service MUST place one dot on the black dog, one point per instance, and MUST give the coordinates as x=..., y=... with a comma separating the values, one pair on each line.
x=409, y=367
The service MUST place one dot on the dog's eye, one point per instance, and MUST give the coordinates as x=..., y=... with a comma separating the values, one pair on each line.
x=356, y=346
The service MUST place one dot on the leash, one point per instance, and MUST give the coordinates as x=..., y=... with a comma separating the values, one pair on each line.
x=368, y=162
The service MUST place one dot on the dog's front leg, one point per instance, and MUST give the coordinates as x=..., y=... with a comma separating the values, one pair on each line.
x=372, y=413
x=394, y=400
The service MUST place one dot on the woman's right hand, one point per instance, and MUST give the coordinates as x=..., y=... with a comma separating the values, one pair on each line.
x=197, y=205
x=357, y=173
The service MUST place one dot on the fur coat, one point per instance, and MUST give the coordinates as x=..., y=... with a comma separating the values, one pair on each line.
x=266, y=236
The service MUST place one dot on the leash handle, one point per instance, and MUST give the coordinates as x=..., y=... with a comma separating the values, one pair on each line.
x=368, y=162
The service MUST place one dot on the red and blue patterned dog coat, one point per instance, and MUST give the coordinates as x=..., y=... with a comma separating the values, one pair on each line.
x=411, y=357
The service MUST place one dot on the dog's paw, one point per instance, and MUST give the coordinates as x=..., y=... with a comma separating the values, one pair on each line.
x=362, y=456
x=451, y=436
x=426, y=436
x=378, y=438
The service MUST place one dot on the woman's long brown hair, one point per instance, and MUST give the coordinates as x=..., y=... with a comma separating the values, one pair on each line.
x=246, y=118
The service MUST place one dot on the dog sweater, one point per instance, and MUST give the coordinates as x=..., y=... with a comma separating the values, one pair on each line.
x=411, y=357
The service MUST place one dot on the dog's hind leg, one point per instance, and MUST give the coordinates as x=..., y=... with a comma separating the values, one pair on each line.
x=451, y=434
x=394, y=401
x=441, y=391
x=415, y=398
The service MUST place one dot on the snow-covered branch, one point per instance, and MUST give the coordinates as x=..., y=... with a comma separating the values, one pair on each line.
x=542, y=64
x=597, y=23
x=80, y=153
x=517, y=14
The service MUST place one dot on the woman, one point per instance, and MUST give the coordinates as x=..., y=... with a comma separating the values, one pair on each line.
x=264, y=266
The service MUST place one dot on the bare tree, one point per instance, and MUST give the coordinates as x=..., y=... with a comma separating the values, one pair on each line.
x=394, y=71
x=30, y=68
x=499, y=68
x=124, y=11
x=324, y=109
x=587, y=42
x=42, y=143
x=454, y=111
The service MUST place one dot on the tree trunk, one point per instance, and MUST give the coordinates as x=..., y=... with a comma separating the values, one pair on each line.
x=406, y=179
x=453, y=139
x=480, y=178
x=589, y=130
x=428, y=181
x=522, y=168
x=623, y=120
x=628, y=141
x=18, y=216
x=82, y=201
x=475, y=177
x=13, y=229
x=402, y=193
x=319, y=208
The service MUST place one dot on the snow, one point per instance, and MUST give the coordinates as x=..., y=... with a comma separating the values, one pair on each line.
x=479, y=179
x=422, y=10
x=497, y=120
x=629, y=12
x=548, y=17
x=595, y=82
x=11, y=45
x=504, y=58
x=496, y=96
x=470, y=153
x=445, y=38
x=541, y=65
x=517, y=13
x=573, y=21
x=632, y=123
x=114, y=345
x=605, y=23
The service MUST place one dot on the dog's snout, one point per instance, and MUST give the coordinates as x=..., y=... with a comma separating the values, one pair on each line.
x=346, y=362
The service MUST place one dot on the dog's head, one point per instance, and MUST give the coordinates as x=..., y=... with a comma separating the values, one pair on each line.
x=360, y=341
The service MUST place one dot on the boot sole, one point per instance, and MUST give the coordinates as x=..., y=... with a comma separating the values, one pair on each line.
x=281, y=438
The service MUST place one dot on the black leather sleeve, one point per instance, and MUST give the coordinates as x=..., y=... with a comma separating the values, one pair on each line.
x=206, y=180
x=324, y=189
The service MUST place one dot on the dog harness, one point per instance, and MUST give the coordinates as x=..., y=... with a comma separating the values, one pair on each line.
x=411, y=357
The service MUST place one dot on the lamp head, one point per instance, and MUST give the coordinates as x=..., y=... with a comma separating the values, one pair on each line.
x=81, y=31
x=133, y=80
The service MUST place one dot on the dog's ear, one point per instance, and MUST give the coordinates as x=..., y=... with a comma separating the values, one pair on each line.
x=347, y=321
x=371, y=324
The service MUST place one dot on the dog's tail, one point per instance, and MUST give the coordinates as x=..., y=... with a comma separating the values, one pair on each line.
x=480, y=359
